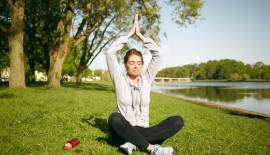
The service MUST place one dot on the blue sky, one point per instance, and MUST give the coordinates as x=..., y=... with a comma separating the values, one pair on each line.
x=234, y=29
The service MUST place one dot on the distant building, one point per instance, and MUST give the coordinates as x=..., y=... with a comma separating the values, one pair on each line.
x=40, y=76
x=167, y=79
x=4, y=75
x=68, y=78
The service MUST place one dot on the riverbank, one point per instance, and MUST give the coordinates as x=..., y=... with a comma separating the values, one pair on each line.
x=39, y=120
x=254, y=80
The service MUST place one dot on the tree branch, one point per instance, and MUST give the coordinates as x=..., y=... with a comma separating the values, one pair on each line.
x=74, y=60
x=101, y=38
x=80, y=28
x=90, y=27
x=103, y=46
x=82, y=37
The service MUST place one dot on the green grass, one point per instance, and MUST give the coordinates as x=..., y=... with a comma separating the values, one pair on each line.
x=38, y=120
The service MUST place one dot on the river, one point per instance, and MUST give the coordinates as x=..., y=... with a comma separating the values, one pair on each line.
x=252, y=96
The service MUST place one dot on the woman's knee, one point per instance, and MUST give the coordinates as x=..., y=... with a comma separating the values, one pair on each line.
x=178, y=122
x=115, y=118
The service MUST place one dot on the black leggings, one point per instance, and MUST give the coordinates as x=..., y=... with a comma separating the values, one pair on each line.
x=122, y=131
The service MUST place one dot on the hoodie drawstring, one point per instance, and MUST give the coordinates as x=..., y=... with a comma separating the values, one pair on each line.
x=135, y=96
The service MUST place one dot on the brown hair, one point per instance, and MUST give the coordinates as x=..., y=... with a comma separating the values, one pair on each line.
x=130, y=52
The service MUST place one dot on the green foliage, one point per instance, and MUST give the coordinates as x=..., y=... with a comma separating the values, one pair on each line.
x=98, y=72
x=106, y=76
x=87, y=72
x=225, y=69
x=103, y=74
x=266, y=72
x=186, y=11
x=149, y=17
x=5, y=19
x=38, y=120
x=69, y=67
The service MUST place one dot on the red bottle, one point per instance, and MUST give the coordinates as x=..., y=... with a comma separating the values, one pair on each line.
x=72, y=143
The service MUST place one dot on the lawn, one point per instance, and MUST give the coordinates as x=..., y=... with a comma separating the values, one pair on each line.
x=39, y=120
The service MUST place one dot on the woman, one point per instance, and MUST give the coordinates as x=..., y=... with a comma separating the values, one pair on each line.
x=129, y=126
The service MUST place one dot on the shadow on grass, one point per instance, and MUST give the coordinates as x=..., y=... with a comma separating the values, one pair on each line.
x=96, y=122
x=3, y=85
x=37, y=84
x=99, y=86
x=6, y=95
x=237, y=113
x=90, y=86
x=102, y=125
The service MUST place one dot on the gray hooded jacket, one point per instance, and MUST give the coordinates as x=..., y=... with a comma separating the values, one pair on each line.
x=133, y=102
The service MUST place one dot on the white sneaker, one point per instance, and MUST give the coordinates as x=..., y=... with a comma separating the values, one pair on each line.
x=128, y=147
x=159, y=150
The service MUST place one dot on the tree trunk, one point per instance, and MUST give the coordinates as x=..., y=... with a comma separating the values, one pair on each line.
x=61, y=47
x=15, y=41
x=57, y=58
x=32, y=70
x=79, y=74
x=79, y=78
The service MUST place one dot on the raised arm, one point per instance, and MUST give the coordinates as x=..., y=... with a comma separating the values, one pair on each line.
x=111, y=53
x=153, y=66
x=111, y=57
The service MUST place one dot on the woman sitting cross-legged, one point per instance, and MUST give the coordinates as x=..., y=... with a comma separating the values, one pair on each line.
x=129, y=126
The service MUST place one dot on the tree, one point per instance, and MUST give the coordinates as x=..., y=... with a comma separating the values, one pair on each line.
x=212, y=71
x=191, y=70
x=258, y=68
x=201, y=74
x=250, y=71
x=12, y=24
x=87, y=72
x=61, y=43
x=266, y=72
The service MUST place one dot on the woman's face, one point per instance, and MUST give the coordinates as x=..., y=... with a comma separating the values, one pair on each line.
x=134, y=66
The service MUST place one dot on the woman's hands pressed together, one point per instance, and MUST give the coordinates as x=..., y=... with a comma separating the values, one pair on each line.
x=135, y=29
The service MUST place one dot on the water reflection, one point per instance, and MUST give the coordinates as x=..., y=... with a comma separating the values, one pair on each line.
x=222, y=94
x=247, y=95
